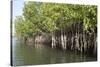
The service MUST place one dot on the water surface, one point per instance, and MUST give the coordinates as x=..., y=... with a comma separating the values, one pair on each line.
x=35, y=54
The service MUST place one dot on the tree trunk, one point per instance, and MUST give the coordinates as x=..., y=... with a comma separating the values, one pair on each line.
x=85, y=43
x=53, y=40
x=81, y=43
x=77, y=41
x=62, y=39
x=95, y=44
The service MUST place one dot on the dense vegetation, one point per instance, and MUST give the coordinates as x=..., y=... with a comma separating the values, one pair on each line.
x=69, y=26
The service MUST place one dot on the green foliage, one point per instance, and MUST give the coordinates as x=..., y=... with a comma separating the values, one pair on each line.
x=48, y=17
x=90, y=19
x=19, y=26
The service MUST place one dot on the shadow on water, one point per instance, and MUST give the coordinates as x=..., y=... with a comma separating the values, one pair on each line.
x=33, y=54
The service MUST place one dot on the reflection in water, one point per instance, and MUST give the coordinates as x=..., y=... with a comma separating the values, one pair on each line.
x=24, y=54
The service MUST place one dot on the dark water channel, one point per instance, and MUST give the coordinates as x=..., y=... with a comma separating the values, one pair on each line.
x=26, y=54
